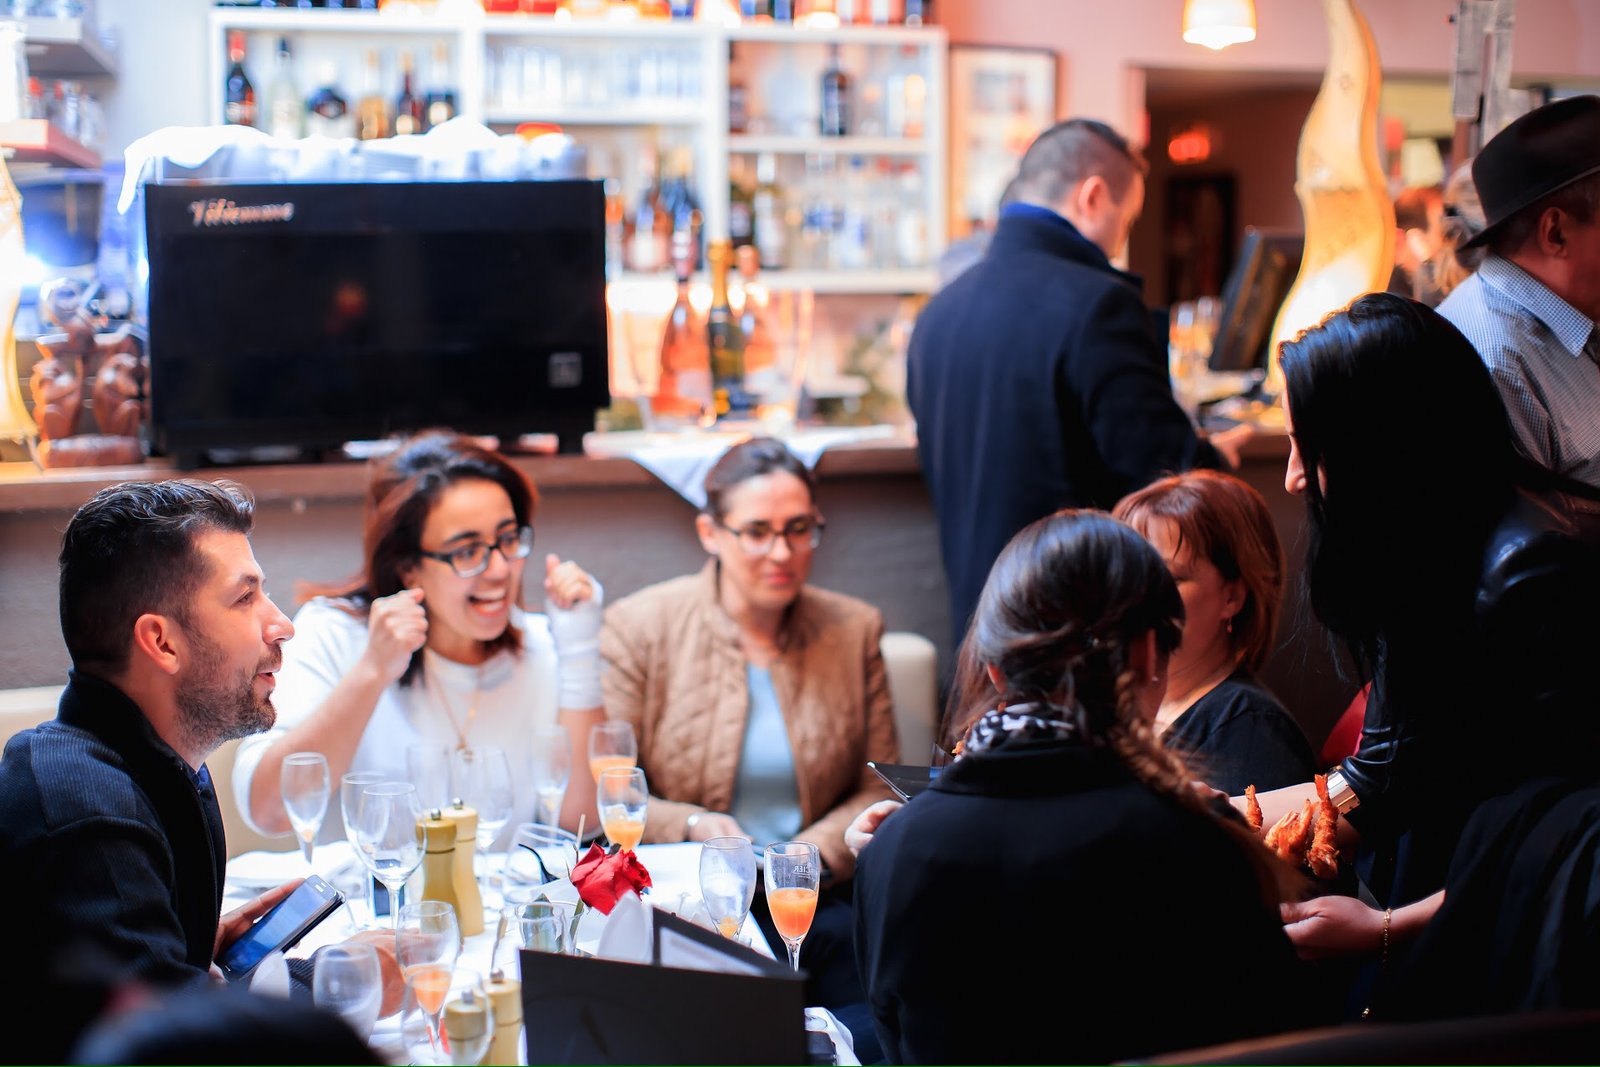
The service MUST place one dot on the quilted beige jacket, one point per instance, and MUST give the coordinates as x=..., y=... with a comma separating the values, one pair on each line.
x=673, y=668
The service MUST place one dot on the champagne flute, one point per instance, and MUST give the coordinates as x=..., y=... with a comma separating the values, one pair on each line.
x=612, y=744
x=552, y=769
x=459, y=1031
x=793, y=871
x=727, y=881
x=482, y=777
x=303, y=781
x=427, y=943
x=351, y=785
x=348, y=982
x=389, y=836
x=622, y=797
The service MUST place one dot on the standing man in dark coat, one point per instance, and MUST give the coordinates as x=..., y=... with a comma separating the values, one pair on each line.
x=1035, y=377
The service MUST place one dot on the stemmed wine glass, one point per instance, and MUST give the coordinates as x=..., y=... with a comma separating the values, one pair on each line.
x=793, y=871
x=468, y=1020
x=539, y=854
x=727, y=881
x=351, y=784
x=388, y=836
x=303, y=780
x=612, y=744
x=482, y=777
x=552, y=769
x=427, y=943
x=622, y=797
x=348, y=982
x=428, y=768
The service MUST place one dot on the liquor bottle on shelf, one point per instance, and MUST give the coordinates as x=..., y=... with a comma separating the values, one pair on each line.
x=782, y=10
x=683, y=393
x=760, y=352
x=769, y=227
x=440, y=105
x=741, y=205
x=327, y=113
x=679, y=202
x=616, y=238
x=835, y=120
x=372, y=112
x=916, y=12
x=906, y=96
x=725, y=340
x=649, y=228
x=239, y=96
x=286, y=109
x=755, y=10
x=409, y=116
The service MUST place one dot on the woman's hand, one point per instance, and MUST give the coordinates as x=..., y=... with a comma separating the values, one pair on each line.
x=858, y=835
x=565, y=584
x=717, y=824
x=397, y=626
x=1332, y=926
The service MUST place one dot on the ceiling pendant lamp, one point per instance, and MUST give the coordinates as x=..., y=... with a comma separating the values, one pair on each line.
x=1219, y=23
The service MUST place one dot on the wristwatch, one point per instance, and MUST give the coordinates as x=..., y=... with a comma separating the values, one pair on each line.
x=1341, y=793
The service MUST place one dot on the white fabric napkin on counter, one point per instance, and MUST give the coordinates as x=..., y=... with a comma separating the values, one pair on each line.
x=681, y=460
x=626, y=936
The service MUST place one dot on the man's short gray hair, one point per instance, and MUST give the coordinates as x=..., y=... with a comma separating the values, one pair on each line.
x=1069, y=152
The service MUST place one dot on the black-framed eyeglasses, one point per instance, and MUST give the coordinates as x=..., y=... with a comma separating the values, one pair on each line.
x=758, y=538
x=469, y=561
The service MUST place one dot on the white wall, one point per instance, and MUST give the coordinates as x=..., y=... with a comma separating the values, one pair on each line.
x=162, y=78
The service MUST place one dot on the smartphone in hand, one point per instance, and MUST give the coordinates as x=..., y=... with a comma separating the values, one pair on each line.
x=281, y=928
x=905, y=780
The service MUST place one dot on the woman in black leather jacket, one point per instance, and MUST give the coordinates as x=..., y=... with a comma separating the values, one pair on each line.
x=1467, y=598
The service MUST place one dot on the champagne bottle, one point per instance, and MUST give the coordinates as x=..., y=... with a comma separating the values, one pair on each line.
x=683, y=392
x=725, y=340
x=239, y=96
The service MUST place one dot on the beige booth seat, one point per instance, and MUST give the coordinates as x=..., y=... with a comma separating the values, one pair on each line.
x=21, y=709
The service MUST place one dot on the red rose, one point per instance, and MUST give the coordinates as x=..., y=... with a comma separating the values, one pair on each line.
x=601, y=879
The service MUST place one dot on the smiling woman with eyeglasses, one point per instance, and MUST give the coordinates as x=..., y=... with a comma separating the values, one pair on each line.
x=429, y=644
x=757, y=699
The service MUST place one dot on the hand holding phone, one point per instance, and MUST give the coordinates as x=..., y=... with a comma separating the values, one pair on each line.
x=312, y=901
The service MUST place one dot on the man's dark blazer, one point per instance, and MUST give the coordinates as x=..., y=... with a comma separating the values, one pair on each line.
x=1037, y=383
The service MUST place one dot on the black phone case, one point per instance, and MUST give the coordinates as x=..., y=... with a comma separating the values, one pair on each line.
x=314, y=889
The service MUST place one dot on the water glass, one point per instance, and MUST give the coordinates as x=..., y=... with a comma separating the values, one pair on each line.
x=727, y=881
x=428, y=768
x=540, y=854
x=348, y=982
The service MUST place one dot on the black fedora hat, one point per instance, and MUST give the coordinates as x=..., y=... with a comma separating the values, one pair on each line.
x=1547, y=149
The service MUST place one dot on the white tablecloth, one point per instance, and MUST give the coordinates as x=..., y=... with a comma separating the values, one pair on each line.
x=674, y=873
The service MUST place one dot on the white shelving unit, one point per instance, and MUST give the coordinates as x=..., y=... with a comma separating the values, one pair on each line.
x=617, y=85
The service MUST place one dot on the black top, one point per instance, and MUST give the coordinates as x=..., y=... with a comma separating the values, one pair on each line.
x=1037, y=383
x=1039, y=905
x=1464, y=709
x=1238, y=735
x=114, y=860
x=1519, y=929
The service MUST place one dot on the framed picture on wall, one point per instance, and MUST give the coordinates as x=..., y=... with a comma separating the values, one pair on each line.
x=1000, y=99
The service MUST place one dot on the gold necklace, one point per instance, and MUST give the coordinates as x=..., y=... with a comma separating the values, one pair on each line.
x=449, y=709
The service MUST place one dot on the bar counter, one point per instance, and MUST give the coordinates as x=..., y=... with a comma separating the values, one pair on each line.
x=625, y=526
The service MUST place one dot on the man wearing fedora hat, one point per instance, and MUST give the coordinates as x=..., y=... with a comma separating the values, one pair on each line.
x=1531, y=308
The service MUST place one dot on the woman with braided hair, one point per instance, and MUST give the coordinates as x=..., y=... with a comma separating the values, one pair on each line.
x=1066, y=834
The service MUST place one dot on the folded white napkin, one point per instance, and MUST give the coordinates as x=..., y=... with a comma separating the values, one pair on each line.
x=626, y=936
x=263, y=870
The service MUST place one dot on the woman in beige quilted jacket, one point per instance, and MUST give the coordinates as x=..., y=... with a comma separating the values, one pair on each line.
x=757, y=699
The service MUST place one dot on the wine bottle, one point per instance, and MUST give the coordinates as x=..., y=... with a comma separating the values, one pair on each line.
x=239, y=96
x=408, y=110
x=683, y=392
x=760, y=351
x=768, y=226
x=725, y=340
x=835, y=121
